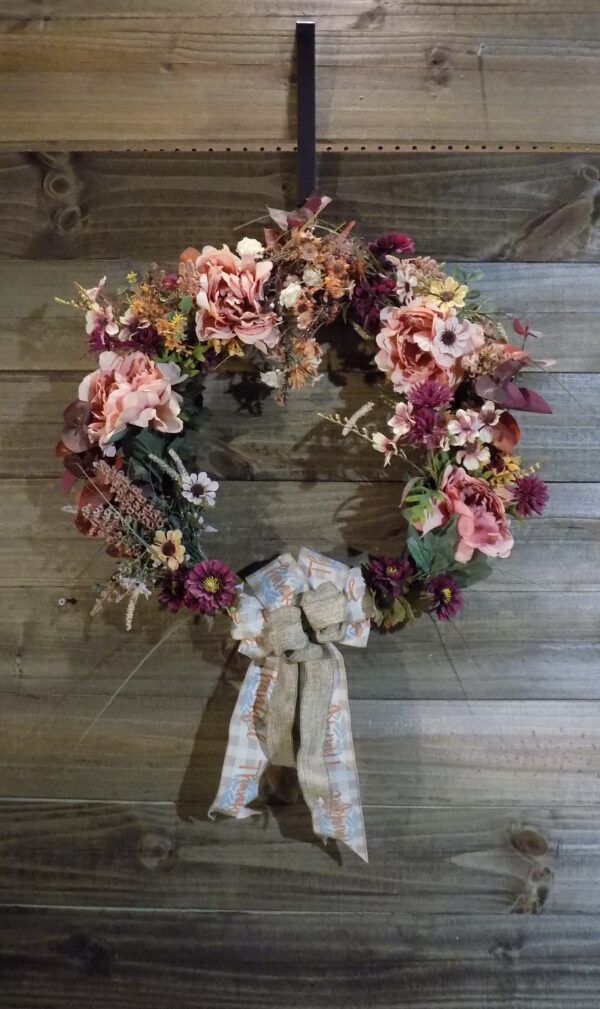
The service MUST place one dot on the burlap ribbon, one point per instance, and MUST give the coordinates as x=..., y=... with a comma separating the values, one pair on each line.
x=289, y=628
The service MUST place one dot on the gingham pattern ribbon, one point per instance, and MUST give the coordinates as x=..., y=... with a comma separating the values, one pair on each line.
x=298, y=674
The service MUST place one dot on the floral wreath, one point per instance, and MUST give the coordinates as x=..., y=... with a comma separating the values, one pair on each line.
x=445, y=408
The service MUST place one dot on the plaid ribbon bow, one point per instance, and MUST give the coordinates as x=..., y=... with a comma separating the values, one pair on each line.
x=289, y=627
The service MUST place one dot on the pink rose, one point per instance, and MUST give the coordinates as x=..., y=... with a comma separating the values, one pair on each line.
x=131, y=390
x=230, y=295
x=405, y=354
x=482, y=522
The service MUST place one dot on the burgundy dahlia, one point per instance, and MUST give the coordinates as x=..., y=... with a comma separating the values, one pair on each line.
x=387, y=576
x=394, y=244
x=210, y=587
x=426, y=428
x=171, y=594
x=169, y=281
x=369, y=297
x=144, y=338
x=444, y=596
x=430, y=393
x=530, y=495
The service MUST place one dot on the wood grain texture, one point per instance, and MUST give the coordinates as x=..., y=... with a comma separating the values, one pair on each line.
x=128, y=960
x=409, y=752
x=509, y=645
x=158, y=856
x=150, y=206
x=81, y=76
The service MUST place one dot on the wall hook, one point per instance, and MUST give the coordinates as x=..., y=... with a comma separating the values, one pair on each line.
x=306, y=90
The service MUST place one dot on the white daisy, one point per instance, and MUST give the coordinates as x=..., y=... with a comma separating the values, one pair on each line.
x=199, y=489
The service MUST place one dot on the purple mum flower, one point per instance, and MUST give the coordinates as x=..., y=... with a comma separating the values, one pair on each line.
x=444, y=596
x=430, y=393
x=369, y=297
x=210, y=587
x=386, y=576
x=530, y=495
x=426, y=428
x=394, y=244
x=171, y=595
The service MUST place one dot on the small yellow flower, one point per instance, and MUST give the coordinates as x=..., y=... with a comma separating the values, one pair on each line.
x=168, y=548
x=448, y=293
x=172, y=332
x=132, y=277
x=507, y=472
x=235, y=349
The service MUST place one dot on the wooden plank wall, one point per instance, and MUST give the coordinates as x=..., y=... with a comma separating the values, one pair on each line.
x=115, y=889
x=392, y=74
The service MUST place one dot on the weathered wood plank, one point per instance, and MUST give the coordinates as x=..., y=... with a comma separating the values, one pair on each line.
x=245, y=436
x=498, y=649
x=37, y=334
x=124, y=960
x=336, y=15
x=423, y=860
x=150, y=205
x=84, y=82
x=257, y=519
x=409, y=752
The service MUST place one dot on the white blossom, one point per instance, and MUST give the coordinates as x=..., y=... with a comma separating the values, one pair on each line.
x=290, y=294
x=274, y=379
x=199, y=489
x=250, y=247
x=312, y=276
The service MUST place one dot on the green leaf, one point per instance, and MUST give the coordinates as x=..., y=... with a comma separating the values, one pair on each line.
x=117, y=437
x=419, y=549
x=442, y=546
x=419, y=502
x=477, y=570
x=199, y=352
x=186, y=303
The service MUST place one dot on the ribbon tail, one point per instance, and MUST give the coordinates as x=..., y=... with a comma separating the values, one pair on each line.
x=326, y=761
x=246, y=757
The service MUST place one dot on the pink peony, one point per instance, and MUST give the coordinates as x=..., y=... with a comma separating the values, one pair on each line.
x=404, y=340
x=482, y=522
x=131, y=390
x=230, y=296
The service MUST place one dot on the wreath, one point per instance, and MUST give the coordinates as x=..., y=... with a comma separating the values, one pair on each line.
x=444, y=409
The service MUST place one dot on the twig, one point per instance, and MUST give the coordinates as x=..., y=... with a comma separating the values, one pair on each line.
x=128, y=678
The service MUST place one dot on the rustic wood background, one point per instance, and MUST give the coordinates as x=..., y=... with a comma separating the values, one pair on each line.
x=115, y=890
x=392, y=74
